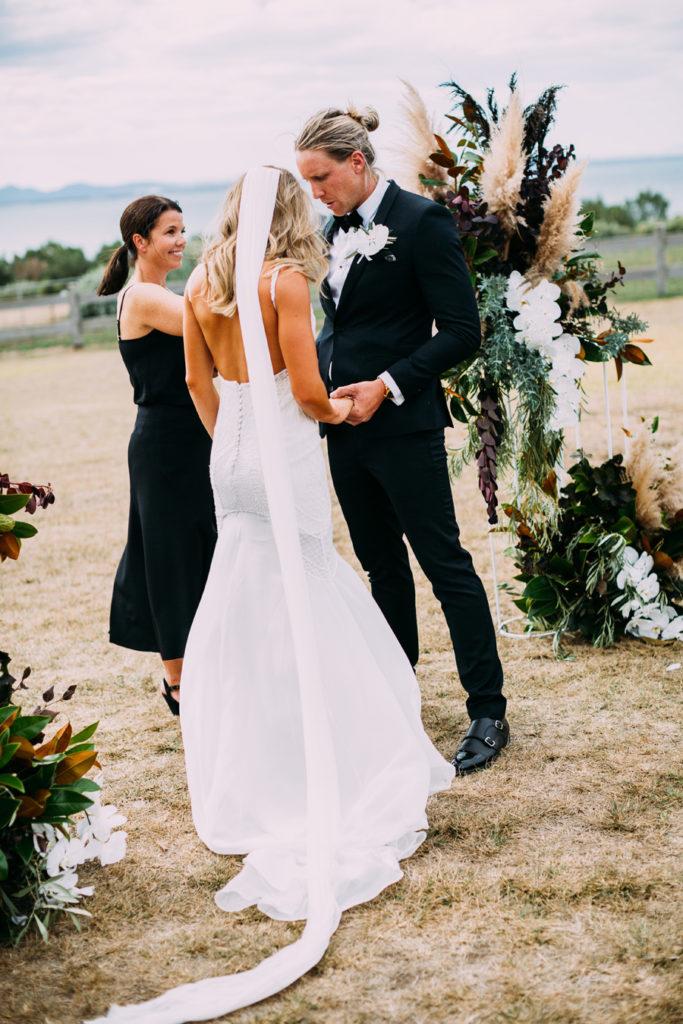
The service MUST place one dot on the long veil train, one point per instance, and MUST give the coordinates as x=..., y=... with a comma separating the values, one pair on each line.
x=214, y=997
x=328, y=830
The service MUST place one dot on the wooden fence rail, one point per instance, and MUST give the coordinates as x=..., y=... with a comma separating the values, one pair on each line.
x=67, y=319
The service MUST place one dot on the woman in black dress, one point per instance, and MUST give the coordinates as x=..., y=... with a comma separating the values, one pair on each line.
x=171, y=525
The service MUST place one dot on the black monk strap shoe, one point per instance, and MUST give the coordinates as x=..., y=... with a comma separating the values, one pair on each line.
x=483, y=742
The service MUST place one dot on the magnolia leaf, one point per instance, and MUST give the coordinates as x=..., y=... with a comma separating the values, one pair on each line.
x=635, y=355
x=660, y=558
x=24, y=530
x=10, y=503
x=10, y=546
x=457, y=410
x=74, y=766
x=85, y=786
x=85, y=734
x=33, y=806
x=8, y=715
x=441, y=161
x=24, y=848
x=4, y=867
x=619, y=363
x=432, y=182
x=7, y=752
x=77, y=748
x=7, y=524
x=30, y=725
x=13, y=782
x=9, y=805
x=58, y=743
x=443, y=146
x=63, y=803
x=25, y=751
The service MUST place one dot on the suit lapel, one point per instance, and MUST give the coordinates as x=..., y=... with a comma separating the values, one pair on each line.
x=358, y=264
x=326, y=300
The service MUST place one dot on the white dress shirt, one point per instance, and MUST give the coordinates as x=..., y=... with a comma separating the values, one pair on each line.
x=340, y=265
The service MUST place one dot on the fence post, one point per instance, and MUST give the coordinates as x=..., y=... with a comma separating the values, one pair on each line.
x=75, y=318
x=660, y=256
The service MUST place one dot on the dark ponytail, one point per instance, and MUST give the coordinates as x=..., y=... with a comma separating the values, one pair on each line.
x=115, y=273
x=138, y=218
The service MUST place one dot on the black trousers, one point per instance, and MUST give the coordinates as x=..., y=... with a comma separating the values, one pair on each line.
x=389, y=487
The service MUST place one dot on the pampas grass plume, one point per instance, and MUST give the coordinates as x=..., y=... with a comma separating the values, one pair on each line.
x=503, y=168
x=574, y=290
x=559, y=235
x=419, y=141
x=644, y=469
x=671, y=483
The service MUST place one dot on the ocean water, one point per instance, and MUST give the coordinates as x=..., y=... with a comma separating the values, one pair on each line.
x=89, y=223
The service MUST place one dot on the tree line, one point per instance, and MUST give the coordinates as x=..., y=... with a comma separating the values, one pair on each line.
x=54, y=261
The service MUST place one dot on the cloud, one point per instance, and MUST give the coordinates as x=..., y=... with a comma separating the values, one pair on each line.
x=166, y=89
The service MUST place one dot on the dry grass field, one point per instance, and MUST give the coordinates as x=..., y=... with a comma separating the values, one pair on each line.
x=546, y=892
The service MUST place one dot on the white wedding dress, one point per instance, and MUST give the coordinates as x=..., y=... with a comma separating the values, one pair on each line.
x=300, y=712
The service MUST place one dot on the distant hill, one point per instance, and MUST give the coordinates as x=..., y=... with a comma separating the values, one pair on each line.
x=80, y=191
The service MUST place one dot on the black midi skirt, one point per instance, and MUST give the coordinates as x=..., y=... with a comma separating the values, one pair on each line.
x=171, y=532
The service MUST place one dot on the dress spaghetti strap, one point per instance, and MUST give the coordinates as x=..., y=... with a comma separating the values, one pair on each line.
x=118, y=318
x=273, y=282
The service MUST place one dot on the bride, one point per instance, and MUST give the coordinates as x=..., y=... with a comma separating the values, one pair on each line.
x=300, y=712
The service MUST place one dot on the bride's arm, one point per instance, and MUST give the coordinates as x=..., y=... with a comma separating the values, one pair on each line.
x=199, y=370
x=297, y=344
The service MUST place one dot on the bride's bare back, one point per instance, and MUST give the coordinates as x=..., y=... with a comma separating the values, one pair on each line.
x=223, y=334
x=213, y=340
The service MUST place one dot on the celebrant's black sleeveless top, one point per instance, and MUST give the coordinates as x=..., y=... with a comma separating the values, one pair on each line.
x=171, y=523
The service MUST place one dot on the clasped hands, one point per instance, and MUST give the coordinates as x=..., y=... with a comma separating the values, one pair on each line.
x=367, y=397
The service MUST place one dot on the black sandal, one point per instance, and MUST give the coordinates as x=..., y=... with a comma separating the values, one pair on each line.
x=483, y=742
x=174, y=705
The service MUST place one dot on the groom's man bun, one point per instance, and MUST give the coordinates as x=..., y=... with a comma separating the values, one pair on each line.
x=340, y=133
x=368, y=117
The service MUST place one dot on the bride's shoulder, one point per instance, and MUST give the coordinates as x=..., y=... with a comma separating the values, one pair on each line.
x=196, y=282
x=290, y=281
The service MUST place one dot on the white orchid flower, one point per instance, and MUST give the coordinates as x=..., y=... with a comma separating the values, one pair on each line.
x=673, y=629
x=114, y=850
x=648, y=588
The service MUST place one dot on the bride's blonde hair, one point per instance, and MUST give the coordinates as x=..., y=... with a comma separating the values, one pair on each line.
x=294, y=240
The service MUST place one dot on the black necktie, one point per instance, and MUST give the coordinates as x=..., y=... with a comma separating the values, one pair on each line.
x=348, y=221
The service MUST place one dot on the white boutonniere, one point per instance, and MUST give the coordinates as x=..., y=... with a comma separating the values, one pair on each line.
x=367, y=242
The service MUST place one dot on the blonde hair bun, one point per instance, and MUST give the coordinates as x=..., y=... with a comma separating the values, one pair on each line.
x=340, y=133
x=367, y=117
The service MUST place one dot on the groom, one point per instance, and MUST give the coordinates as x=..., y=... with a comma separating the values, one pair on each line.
x=388, y=461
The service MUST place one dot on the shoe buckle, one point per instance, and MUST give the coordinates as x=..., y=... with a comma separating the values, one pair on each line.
x=489, y=741
x=499, y=725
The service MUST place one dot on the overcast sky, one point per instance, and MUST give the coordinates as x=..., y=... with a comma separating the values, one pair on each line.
x=197, y=90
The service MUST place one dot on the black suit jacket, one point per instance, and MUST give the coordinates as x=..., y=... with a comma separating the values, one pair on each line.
x=386, y=310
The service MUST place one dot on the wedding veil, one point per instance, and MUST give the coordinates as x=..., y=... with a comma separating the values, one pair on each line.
x=214, y=997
